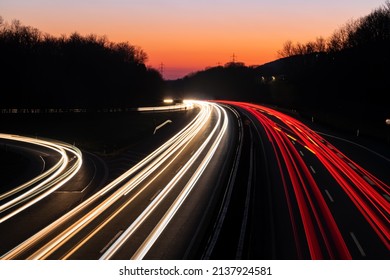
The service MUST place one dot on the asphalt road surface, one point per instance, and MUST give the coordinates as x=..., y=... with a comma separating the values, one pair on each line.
x=126, y=217
x=320, y=204
x=238, y=181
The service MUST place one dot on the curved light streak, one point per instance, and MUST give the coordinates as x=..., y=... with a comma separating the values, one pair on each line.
x=44, y=184
x=117, y=189
x=365, y=190
x=110, y=252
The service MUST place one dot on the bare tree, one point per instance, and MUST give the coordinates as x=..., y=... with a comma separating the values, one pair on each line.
x=287, y=50
x=310, y=47
x=372, y=29
x=340, y=39
x=320, y=45
x=335, y=42
x=140, y=55
x=300, y=49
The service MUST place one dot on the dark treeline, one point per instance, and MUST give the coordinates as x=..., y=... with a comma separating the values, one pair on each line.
x=342, y=80
x=346, y=73
x=43, y=71
x=369, y=32
x=233, y=81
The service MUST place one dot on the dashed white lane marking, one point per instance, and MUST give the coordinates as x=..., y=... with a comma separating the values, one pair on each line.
x=154, y=196
x=352, y=166
x=357, y=244
x=302, y=154
x=368, y=180
x=312, y=169
x=329, y=196
x=111, y=241
x=177, y=170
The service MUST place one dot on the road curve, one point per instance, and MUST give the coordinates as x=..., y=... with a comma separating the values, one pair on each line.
x=27, y=194
x=139, y=204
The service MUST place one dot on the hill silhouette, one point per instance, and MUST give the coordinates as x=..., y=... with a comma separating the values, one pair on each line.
x=341, y=81
x=234, y=81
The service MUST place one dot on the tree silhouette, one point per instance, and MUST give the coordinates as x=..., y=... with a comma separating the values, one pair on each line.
x=42, y=71
x=364, y=32
x=341, y=80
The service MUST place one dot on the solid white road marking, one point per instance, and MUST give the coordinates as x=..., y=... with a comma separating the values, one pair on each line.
x=161, y=125
x=44, y=164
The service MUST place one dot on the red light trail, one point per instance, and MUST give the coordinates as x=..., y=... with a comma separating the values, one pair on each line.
x=365, y=190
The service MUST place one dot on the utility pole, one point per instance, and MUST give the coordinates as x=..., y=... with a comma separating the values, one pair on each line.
x=234, y=58
x=162, y=69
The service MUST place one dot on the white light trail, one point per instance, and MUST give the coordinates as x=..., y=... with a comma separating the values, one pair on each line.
x=119, y=187
x=186, y=105
x=110, y=252
x=44, y=184
x=155, y=234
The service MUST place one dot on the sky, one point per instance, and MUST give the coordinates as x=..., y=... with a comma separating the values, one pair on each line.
x=184, y=36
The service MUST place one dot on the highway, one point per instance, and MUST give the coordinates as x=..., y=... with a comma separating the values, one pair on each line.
x=125, y=218
x=321, y=204
x=238, y=181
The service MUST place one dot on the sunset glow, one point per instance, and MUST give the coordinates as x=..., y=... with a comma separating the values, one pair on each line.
x=185, y=36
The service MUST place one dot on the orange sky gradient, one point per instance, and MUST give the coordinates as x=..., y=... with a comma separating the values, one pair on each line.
x=187, y=36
